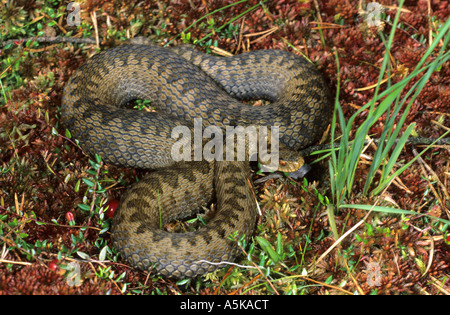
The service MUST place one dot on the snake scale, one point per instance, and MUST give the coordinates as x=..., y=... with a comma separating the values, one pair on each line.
x=183, y=84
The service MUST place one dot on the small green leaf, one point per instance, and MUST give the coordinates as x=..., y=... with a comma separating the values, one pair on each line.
x=88, y=182
x=83, y=255
x=102, y=254
x=182, y=282
x=84, y=207
x=77, y=186
x=279, y=244
x=266, y=247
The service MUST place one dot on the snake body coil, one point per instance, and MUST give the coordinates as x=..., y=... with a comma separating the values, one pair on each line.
x=184, y=84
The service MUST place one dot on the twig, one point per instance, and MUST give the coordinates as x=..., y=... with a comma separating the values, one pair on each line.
x=441, y=286
x=224, y=263
x=241, y=29
x=254, y=196
x=216, y=291
x=319, y=17
x=263, y=34
x=339, y=240
x=305, y=278
x=424, y=166
x=256, y=266
x=358, y=287
x=51, y=39
x=433, y=174
x=94, y=21
x=6, y=261
x=325, y=25
x=430, y=257
x=220, y=51
x=245, y=285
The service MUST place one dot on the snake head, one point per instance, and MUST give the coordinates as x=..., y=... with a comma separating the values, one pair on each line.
x=284, y=160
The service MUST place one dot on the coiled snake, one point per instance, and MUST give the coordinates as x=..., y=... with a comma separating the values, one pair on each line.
x=184, y=84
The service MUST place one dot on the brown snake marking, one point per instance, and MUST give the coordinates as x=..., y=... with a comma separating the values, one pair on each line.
x=184, y=84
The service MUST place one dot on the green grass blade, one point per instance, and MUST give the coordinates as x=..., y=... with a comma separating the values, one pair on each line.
x=396, y=152
x=392, y=211
x=382, y=148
